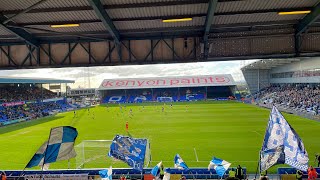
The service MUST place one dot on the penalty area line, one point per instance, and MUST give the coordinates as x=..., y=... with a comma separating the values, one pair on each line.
x=195, y=153
x=257, y=133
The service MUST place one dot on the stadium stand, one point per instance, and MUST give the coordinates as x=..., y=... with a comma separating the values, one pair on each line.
x=25, y=99
x=295, y=96
x=24, y=92
x=293, y=85
x=17, y=113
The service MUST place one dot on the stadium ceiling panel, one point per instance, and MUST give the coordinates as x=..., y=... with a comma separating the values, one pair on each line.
x=268, y=64
x=183, y=30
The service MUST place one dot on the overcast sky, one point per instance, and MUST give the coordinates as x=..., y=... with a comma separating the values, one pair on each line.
x=92, y=76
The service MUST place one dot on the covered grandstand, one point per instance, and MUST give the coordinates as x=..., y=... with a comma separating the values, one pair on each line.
x=167, y=89
x=293, y=84
x=23, y=99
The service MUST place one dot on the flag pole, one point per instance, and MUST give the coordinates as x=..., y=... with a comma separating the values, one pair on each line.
x=44, y=155
x=258, y=165
x=21, y=173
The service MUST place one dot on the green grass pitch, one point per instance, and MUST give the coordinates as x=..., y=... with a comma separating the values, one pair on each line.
x=228, y=130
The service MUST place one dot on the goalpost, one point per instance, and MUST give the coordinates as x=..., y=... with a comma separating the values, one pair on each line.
x=94, y=154
x=164, y=99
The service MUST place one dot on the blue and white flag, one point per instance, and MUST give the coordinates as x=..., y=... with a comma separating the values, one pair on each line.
x=281, y=138
x=106, y=174
x=59, y=147
x=221, y=166
x=272, y=157
x=156, y=170
x=130, y=150
x=179, y=163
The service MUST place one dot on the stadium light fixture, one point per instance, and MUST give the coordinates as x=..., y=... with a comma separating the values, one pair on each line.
x=176, y=20
x=64, y=25
x=294, y=12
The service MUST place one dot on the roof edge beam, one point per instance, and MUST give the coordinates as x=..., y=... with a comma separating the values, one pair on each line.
x=308, y=20
x=24, y=11
x=23, y=34
x=209, y=19
x=105, y=18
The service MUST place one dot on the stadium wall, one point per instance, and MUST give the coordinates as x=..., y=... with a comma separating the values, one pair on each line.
x=256, y=79
x=300, y=68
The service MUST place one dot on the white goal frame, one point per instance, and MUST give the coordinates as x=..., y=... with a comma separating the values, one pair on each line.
x=82, y=159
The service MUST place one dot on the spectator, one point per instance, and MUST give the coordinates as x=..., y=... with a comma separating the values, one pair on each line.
x=312, y=174
x=239, y=172
x=3, y=176
x=161, y=171
x=299, y=175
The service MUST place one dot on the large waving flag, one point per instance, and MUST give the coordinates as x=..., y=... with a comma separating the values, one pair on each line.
x=130, y=150
x=59, y=147
x=106, y=174
x=282, y=145
x=221, y=166
x=179, y=163
x=156, y=170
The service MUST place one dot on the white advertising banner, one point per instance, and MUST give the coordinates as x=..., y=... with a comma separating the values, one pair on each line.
x=57, y=177
x=168, y=82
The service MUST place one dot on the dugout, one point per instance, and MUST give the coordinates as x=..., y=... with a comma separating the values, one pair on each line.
x=167, y=89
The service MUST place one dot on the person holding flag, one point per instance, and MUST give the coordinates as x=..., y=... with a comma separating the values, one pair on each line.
x=158, y=171
x=106, y=174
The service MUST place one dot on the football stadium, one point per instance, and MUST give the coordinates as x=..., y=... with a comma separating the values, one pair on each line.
x=159, y=89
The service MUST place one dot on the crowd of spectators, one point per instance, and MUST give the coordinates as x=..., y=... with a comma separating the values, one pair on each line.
x=23, y=93
x=295, y=96
x=28, y=111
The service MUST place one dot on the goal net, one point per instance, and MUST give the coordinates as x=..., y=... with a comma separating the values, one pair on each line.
x=164, y=99
x=94, y=154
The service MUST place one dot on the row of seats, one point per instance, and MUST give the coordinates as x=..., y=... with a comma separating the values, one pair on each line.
x=199, y=173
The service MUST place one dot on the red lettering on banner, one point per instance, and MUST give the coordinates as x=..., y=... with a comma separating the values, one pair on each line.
x=185, y=81
x=158, y=82
x=204, y=79
x=163, y=82
x=152, y=82
x=120, y=83
x=211, y=79
x=222, y=79
x=132, y=83
x=174, y=81
x=140, y=83
x=107, y=84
